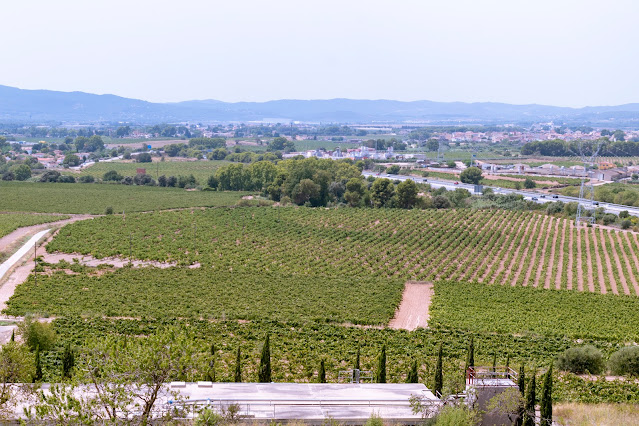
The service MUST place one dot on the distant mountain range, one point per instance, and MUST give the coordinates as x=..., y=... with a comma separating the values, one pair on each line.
x=46, y=106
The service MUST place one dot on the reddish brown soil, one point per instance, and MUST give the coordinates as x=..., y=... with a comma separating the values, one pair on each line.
x=412, y=312
x=551, y=259
x=600, y=274
x=526, y=245
x=560, y=266
x=571, y=243
x=589, y=260
x=611, y=277
x=633, y=255
x=542, y=234
x=626, y=261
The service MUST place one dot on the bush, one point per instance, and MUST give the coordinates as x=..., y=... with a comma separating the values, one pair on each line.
x=66, y=179
x=441, y=202
x=609, y=218
x=625, y=361
x=624, y=214
x=580, y=360
x=86, y=179
x=144, y=157
x=393, y=170
x=529, y=183
x=625, y=224
x=108, y=210
x=112, y=175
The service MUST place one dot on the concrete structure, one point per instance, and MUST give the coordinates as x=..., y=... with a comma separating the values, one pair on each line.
x=311, y=402
x=484, y=383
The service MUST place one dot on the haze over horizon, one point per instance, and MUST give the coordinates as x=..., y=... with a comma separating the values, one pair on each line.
x=572, y=53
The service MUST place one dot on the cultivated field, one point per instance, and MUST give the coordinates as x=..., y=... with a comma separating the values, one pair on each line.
x=496, y=246
x=94, y=198
x=201, y=169
x=9, y=222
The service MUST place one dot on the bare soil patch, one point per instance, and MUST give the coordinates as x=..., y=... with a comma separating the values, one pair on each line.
x=413, y=310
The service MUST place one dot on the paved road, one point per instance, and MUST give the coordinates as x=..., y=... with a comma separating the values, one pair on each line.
x=609, y=207
x=4, y=268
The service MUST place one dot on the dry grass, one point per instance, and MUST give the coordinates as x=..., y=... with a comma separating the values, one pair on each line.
x=596, y=414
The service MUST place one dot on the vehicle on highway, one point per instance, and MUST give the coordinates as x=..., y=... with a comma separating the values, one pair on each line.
x=456, y=183
x=555, y=196
x=534, y=198
x=542, y=196
x=596, y=203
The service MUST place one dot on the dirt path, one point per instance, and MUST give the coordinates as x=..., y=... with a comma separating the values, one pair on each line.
x=611, y=277
x=591, y=275
x=633, y=254
x=12, y=240
x=533, y=254
x=600, y=274
x=580, y=278
x=413, y=310
x=117, y=262
x=551, y=260
x=526, y=245
x=633, y=280
x=560, y=266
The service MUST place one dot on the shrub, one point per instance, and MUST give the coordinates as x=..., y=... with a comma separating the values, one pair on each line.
x=580, y=360
x=529, y=183
x=625, y=224
x=37, y=334
x=112, y=175
x=624, y=214
x=86, y=179
x=66, y=179
x=625, y=361
x=393, y=170
x=108, y=210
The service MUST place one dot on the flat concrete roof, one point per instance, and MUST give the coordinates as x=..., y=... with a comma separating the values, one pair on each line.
x=308, y=401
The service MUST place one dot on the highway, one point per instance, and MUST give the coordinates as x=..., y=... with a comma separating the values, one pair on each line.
x=608, y=207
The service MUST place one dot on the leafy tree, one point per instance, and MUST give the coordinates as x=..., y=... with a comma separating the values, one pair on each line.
x=281, y=144
x=439, y=375
x=17, y=370
x=413, y=375
x=406, y=194
x=529, y=183
x=393, y=170
x=36, y=334
x=580, y=360
x=71, y=160
x=50, y=176
x=238, y=366
x=545, y=405
x=472, y=175
x=432, y=145
x=144, y=157
x=264, y=373
x=355, y=191
x=86, y=179
x=21, y=171
x=305, y=191
x=112, y=175
x=451, y=164
x=625, y=361
x=441, y=202
x=321, y=376
x=380, y=374
x=382, y=192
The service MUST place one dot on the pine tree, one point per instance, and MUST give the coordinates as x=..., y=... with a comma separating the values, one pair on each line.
x=413, y=376
x=38, y=372
x=529, y=408
x=380, y=376
x=13, y=335
x=210, y=375
x=545, y=405
x=322, y=373
x=357, y=359
x=238, y=366
x=68, y=361
x=439, y=375
x=264, y=374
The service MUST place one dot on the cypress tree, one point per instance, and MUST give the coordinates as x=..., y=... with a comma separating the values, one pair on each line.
x=439, y=375
x=413, y=376
x=211, y=373
x=529, y=408
x=494, y=362
x=521, y=384
x=381, y=366
x=357, y=359
x=322, y=373
x=264, y=374
x=470, y=358
x=507, y=362
x=238, y=366
x=545, y=405
x=38, y=372
x=13, y=335
x=68, y=361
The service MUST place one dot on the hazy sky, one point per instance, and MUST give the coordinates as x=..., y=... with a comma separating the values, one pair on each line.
x=558, y=52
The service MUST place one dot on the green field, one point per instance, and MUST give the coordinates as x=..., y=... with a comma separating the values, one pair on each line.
x=201, y=169
x=9, y=222
x=94, y=198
